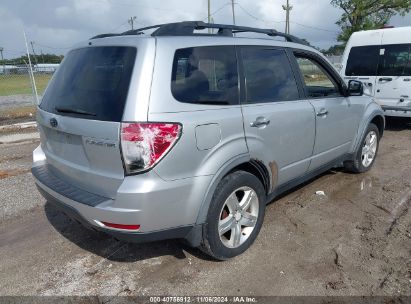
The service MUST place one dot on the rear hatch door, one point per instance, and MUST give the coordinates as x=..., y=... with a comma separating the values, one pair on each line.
x=80, y=116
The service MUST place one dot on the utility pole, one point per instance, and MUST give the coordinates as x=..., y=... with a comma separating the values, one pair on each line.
x=209, y=15
x=209, y=11
x=232, y=8
x=2, y=59
x=212, y=21
x=34, y=54
x=287, y=9
x=131, y=21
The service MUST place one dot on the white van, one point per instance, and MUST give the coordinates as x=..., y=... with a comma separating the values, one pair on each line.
x=381, y=59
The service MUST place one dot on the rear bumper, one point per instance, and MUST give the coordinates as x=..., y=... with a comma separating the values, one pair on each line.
x=164, y=210
x=396, y=111
x=137, y=237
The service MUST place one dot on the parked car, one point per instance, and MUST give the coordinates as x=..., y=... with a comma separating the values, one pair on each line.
x=381, y=59
x=179, y=134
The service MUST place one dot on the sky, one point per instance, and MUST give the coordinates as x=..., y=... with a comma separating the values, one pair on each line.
x=55, y=25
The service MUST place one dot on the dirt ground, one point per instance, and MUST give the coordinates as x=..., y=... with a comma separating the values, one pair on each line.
x=355, y=240
x=16, y=109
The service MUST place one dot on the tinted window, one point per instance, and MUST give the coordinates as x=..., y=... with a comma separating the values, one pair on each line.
x=363, y=61
x=318, y=82
x=395, y=60
x=91, y=80
x=268, y=76
x=205, y=75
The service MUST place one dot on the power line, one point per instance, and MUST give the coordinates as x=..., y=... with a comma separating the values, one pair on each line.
x=115, y=29
x=216, y=11
x=256, y=18
x=314, y=28
x=54, y=48
x=274, y=21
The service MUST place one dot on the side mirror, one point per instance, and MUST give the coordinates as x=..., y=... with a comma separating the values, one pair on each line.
x=355, y=88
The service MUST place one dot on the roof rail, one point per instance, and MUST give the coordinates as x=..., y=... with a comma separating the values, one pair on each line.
x=188, y=28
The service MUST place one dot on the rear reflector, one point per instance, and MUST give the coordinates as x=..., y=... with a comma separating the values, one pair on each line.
x=121, y=226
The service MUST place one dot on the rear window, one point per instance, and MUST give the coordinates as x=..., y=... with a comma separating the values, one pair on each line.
x=205, y=75
x=363, y=61
x=91, y=83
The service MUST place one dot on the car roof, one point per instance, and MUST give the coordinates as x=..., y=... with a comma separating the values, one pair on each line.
x=187, y=32
x=381, y=36
x=191, y=28
x=389, y=30
x=197, y=40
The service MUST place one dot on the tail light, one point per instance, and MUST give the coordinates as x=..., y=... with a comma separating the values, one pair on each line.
x=144, y=144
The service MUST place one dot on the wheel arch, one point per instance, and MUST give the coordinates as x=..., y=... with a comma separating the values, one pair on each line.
x=373, y=114
x=244, y=163
x=257, y=169
x=379, y=121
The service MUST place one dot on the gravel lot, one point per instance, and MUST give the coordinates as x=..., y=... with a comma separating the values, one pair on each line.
x=16, y=109
x=355, y=240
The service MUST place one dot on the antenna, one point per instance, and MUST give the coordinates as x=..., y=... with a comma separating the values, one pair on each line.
x=32, y=80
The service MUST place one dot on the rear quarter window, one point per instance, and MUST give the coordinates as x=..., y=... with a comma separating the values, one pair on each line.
x=205, y=75
x=93, y=81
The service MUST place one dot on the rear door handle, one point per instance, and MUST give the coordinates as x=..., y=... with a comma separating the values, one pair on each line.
x=407, y=79
x=385, y=79
x=260, y=122
x=323, y=112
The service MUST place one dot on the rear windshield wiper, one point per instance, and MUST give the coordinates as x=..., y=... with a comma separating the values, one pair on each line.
x=213, y=102
x=74, y=111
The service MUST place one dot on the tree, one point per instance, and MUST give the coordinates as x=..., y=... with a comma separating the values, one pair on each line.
x=367, y=14
x=309, y=44
x=42, y=58
x=335, y=50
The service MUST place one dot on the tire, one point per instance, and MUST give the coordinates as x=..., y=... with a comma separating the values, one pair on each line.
x=237, y=210
x=363, y=163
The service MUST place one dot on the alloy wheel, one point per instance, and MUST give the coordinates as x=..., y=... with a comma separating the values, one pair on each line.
x=238, y=217
x=369, y=149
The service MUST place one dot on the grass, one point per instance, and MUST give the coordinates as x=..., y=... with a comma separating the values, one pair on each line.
x=15, y=84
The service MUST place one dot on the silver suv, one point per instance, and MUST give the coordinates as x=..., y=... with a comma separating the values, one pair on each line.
x=188, y=135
